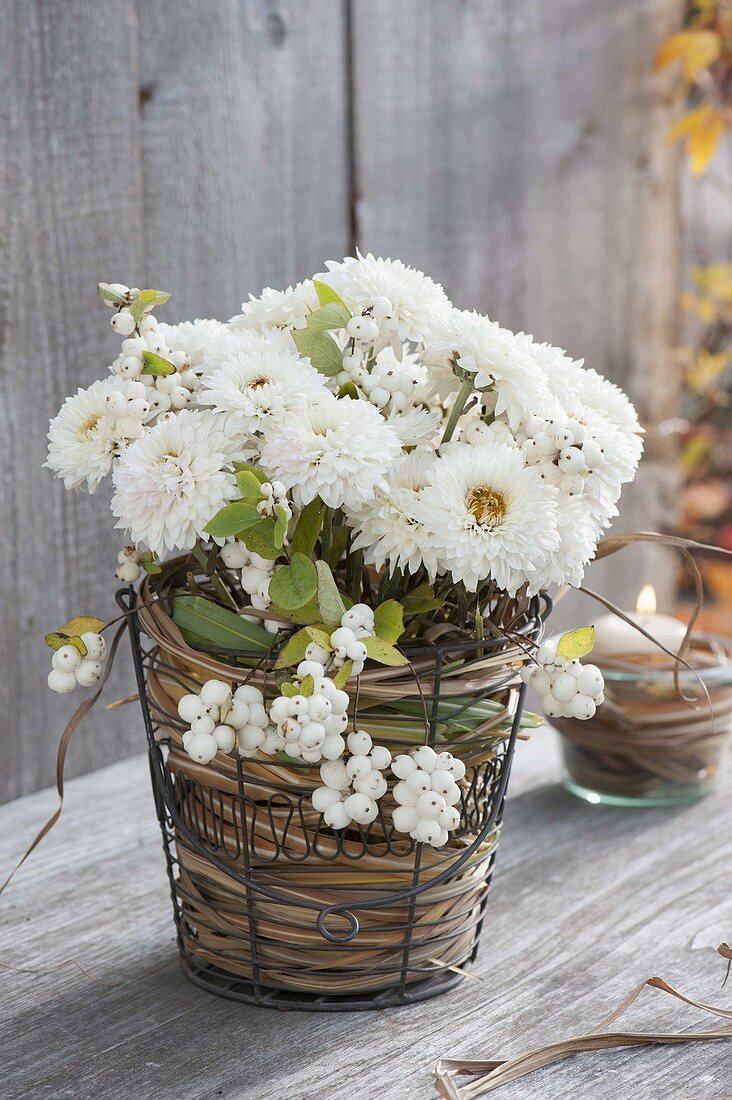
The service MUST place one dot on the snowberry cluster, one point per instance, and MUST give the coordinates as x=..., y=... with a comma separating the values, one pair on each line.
x=71, y=668
x=568, y=689
x=256, y=573
x=427, y=794
x=347, y=640
x=275, y=496
x=163, y=392
x=220, y=719
x=567, y=448
x=390, y=384
x=128, y=408
x=129, y=565
x=353, y=787
x=312, y=724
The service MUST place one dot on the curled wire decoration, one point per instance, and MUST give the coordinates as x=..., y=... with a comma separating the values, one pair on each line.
x=272, y=906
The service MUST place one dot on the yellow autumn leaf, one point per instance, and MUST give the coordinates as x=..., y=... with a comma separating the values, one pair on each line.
x=576, y=643
x=701, y=130
x=706, y=369
x=697, y=49
x=82, y=624
x=715, y=280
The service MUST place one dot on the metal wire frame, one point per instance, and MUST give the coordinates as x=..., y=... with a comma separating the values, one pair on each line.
x=223, y=830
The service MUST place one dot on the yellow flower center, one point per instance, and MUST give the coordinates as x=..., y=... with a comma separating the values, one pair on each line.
x=488, y=506
x=86, y=429
x=258, y=383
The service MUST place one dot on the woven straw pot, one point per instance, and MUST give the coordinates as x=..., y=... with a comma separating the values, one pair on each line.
x=271, y=906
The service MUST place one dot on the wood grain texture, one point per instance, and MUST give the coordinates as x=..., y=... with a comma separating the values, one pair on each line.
x=245, y=113
x=71, y=214
x=517, y=152
x=587, y=902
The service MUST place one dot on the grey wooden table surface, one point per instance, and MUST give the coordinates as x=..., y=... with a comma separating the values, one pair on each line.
x=587, y=901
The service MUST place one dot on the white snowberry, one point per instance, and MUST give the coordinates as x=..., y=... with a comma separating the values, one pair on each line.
x=61, y=682
x=96, y=647
x=67, y=658
x=216, y=692
x=88, y=672
x=201, y=747
x=123, y=323
x=427, y=795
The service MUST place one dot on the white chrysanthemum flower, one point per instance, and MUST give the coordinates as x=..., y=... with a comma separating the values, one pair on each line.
x=401, y=299
x=285, y=309
x=494, y=356
x=337, y=449
x=489, y=515
x=172, y=481
x=605, y=397
x=229, y=343
x=83, y=438
x=191, y=337
x=415, y=427
x=577, y=545
x=387, y=527
x=257, y=386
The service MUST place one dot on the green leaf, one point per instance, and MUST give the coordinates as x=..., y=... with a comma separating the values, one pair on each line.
x=108, y=295
x=249, y=485
x=217, y=626
x=293, y=651
x=280, y=527
x=381, y=651
x=576, y=643
x=300, y=616
x=288, y=690
x=138, y=309
x=151, y=567
x=156, y=365
x=320, y=349
x=293, y=585
x=389, y=621
x=327, y=294
x=330, y=603
x=338, y=542
x=348, y=389
x=241, y=467
x=161, y=297
x=331, y=315
x=232, y=519
x=343, y=675
x=421, y=599
x=308, y=527
x=260, y=539
x=307, y=686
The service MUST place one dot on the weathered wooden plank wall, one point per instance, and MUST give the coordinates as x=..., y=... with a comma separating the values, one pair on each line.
x=514, y=149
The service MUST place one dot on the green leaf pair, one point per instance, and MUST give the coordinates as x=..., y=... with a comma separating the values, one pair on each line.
x=314, y=342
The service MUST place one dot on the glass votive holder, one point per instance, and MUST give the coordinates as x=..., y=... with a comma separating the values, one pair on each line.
x=654, y=741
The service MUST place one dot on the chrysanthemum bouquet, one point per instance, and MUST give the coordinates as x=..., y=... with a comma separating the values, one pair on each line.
x=349, y=464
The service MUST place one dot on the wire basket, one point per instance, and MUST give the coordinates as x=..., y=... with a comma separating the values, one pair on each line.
x=274, y=908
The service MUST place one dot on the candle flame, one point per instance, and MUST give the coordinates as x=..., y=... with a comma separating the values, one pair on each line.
x=646, y=602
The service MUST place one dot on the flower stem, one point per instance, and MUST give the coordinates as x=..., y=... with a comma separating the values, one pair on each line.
x=465, y=391
x=220, y=588
x=326, y=534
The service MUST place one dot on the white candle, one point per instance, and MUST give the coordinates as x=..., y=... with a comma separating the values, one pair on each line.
x=615, y=638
